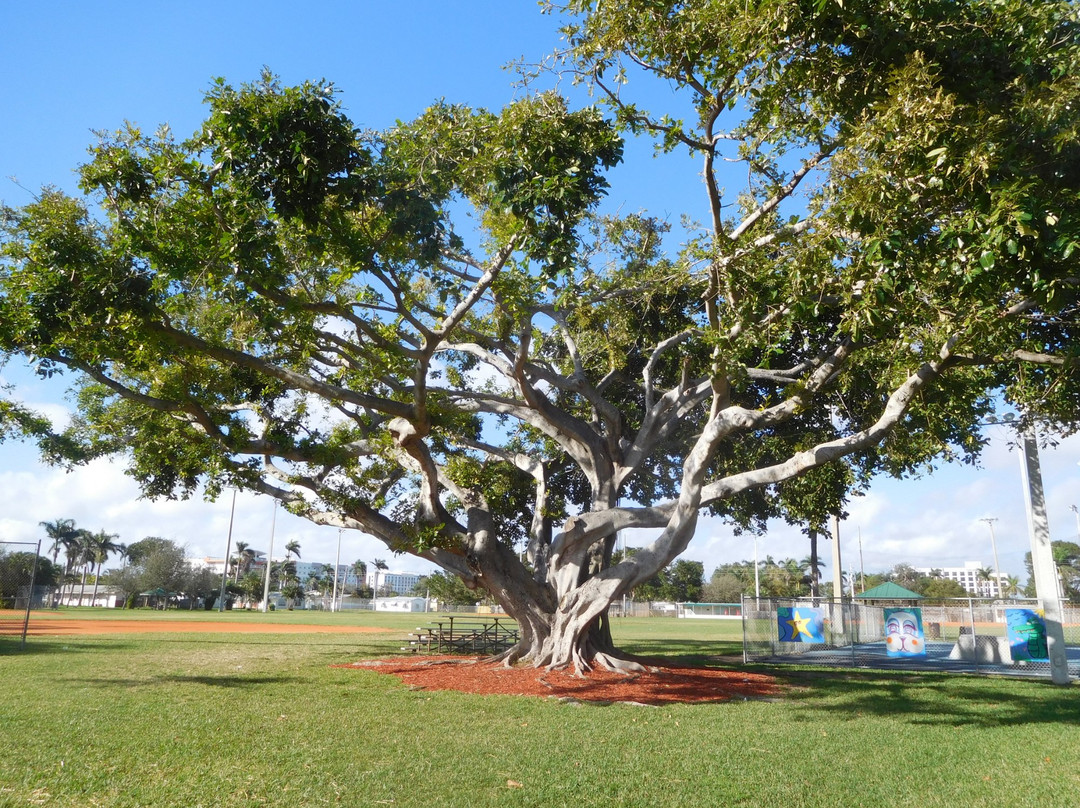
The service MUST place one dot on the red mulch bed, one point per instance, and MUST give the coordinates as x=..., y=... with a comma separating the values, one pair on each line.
x=660, y=685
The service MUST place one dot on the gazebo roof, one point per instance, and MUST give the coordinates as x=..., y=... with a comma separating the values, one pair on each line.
x=889, y=591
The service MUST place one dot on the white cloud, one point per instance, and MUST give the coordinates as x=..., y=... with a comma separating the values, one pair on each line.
x=101, y=497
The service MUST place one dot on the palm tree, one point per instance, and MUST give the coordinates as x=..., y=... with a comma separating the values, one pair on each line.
x=241, y=547
x=784, y=579
x=313, y=582
x=101, y=544
x=359, y=569
x=64, y=535
x=84, y=557
x=62, y=532
x=1011, y=587
x=248, y=560
x=282, y=572
x=326, y=582
x=292, y=548
x=380, y=565
x=72, y=552
x=985, y=575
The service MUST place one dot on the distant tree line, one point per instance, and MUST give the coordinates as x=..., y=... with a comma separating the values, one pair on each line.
x=157, y=568
x=1067, y=562
x=789, y=578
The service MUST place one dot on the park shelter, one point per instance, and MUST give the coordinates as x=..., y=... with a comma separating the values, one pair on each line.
x=889, y=592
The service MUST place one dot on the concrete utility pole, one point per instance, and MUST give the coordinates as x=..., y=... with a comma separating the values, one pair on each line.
x=838, y=570
x=269, y=560
x=757, y=580
x=337, y=566
x=862, y=567
x=993, y=543
x=1042, y=557
x=228, y=546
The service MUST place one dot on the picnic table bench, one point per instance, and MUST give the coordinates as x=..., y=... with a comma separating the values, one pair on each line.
x=465, y=635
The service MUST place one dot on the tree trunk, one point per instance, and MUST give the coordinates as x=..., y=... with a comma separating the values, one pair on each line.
x=97, y=577
x=575, y=633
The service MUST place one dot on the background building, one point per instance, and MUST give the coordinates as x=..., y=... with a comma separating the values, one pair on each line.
x=400, y=583
x=974, y=576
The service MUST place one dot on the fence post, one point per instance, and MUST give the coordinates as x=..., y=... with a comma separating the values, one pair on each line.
x=742, y=618
x=974, y=639
x=850, y=629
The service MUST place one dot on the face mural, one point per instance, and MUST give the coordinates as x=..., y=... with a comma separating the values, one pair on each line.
x=903, y=633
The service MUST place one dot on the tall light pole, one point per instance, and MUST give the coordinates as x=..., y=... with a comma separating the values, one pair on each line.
x=1042, y=557
x=228, y=545
x=337, y=566
x=1076, y=511
x=757, y=580
x=993, y=543
x=862, y=566
x=269, y=560
x=838, y=574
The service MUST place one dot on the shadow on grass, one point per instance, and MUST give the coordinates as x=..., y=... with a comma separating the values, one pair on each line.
x=683, y=653
x=230, y=681
x=38, y=647
x=927, y=699
x=931, y=699
x=222, y=680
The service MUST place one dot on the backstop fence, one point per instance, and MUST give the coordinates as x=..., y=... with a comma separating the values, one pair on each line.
x=18, y=568
x=965, y=635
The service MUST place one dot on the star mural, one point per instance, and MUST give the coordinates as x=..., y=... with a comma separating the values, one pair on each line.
x=801, y=624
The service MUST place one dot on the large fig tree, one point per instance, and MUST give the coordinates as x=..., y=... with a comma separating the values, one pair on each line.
x=432, y=334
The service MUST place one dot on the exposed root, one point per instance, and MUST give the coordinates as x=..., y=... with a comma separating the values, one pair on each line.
x=448, y=662
x=507, y=658
x=620, y=665
x=567, y=646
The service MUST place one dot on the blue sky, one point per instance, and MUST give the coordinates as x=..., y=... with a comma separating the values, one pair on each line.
x=74, y=68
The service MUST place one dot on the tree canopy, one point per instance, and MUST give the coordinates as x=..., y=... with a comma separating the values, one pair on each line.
x=1066, y=556
x=431, y=333
x=157, y=564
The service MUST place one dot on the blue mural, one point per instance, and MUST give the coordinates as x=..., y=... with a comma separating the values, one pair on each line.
x=800, y=624
x=1026, y=631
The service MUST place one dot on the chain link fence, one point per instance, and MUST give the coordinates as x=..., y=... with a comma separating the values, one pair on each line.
x=18, y=567
x=967, y=635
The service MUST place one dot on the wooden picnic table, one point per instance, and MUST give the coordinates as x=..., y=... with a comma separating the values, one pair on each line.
x=465, y=635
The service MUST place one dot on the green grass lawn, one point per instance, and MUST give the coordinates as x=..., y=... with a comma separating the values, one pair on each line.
x=263, y=719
